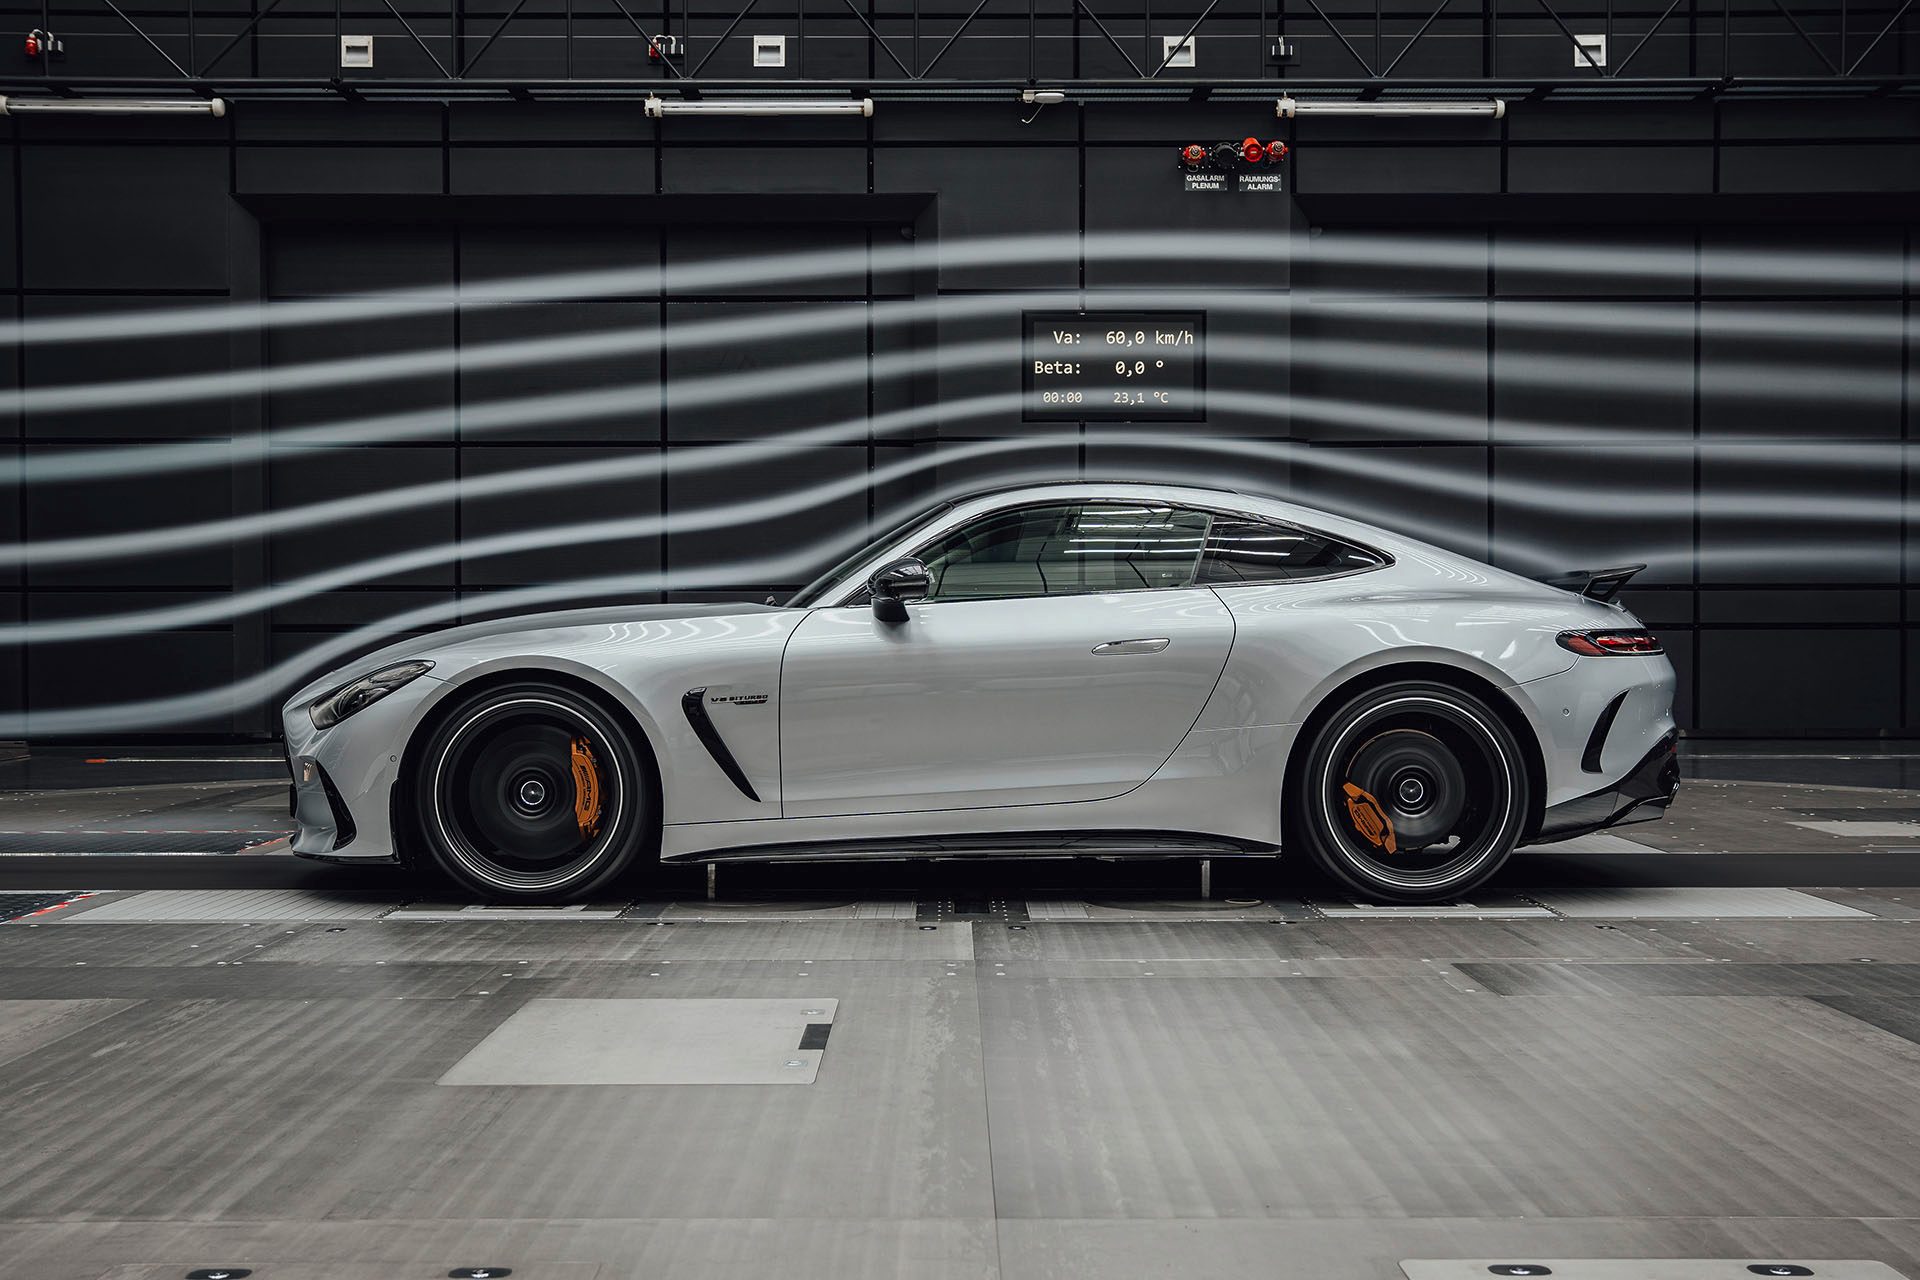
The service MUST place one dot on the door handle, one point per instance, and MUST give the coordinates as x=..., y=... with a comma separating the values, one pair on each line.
x=1115, y=647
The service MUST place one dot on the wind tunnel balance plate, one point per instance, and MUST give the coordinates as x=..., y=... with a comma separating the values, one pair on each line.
x=660, y=1041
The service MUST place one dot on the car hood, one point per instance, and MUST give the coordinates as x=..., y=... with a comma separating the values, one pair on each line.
x=423, y=646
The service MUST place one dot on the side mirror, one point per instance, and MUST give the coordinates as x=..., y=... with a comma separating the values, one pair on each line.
x=893, y=587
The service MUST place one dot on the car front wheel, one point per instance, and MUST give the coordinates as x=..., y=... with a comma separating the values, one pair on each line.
x=532, y=793
x=1415, y=792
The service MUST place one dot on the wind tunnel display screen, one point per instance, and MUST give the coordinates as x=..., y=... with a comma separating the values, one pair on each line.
x=1115, y=366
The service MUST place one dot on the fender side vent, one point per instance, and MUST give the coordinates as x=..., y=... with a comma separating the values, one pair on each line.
x=694, y=704
x=1590, y=759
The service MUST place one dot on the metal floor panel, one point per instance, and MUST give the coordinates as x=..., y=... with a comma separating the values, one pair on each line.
x=1648, y=1268
x=1879, y=903
x=1490, y=908
x=1366, y=1247
x=658, y=1041
x=1692, y=904
x=1401, y=938
x=440, y=912
x=460, y=1264
x=1600, y=842
x=1317, y=1099
x=29, y=1025
x=322, y=1110
x=160, y=841
x=194, y=905
x=722, y=912
x=1704, y=978
x=1162, y=1097
x=21, y=906
x=1864, y=829
x=758, y=941
x=630, y=1248
x=1196, y=910
x=1771, y=941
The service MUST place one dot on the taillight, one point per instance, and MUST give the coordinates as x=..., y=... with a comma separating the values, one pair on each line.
x=1609, y=644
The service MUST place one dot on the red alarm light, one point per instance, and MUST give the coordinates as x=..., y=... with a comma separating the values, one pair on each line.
x=1253, y=151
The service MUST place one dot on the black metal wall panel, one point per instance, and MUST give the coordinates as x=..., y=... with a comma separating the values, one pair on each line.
x=1765, y=473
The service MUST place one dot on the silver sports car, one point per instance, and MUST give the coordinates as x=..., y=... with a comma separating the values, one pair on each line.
x=1066, y=669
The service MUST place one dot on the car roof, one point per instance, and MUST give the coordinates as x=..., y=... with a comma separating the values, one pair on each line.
x=997, y=490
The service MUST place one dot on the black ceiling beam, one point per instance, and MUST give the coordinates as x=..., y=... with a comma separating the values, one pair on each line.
x=1408, y=88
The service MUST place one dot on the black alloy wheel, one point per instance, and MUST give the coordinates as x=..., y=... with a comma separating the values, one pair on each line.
x=532, y=793
x=1415, y=792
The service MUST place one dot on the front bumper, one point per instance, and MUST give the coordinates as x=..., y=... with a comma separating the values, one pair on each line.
x=326, y=825
x=344, y=809
x=1641, y=796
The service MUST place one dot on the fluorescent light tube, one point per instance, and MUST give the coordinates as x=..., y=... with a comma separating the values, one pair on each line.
x=1288, y=108
x=113, y=106
x=658, y=107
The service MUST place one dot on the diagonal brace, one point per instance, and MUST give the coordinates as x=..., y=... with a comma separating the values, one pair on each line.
x=884, y=46
x=1117, y=47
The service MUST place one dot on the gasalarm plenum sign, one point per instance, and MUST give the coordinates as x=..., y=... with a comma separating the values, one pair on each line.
x=1272, y=182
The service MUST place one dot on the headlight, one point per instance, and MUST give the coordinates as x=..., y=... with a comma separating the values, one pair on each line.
x=331, y=709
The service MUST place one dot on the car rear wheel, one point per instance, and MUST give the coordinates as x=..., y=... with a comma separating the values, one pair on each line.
x=532, y=793
x=1414, y=792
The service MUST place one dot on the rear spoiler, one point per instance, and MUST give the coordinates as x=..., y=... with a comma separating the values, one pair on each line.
x=1595, y=584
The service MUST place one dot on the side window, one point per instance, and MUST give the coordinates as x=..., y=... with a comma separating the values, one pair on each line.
x=1071, y=549
x=1241, y=550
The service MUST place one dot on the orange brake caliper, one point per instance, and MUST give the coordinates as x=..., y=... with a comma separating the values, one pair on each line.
x=586, y=789
x=1369, y=819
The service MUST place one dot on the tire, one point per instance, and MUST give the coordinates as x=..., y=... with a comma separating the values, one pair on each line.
x=1414, y=792
x=532, y=793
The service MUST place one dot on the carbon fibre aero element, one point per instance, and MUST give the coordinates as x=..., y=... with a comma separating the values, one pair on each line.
x=1082, y=668
x=694, y=704
x=1595, y=584
x=1597, y=740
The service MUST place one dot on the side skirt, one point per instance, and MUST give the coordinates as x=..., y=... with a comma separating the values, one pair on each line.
x=1039, y=844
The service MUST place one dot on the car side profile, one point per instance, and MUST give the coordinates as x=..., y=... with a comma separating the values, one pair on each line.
x=1066, y=669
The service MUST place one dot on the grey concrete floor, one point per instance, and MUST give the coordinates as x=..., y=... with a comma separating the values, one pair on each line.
x=206, y=1065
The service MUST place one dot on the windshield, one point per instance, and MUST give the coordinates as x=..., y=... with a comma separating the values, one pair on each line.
x=812, y=592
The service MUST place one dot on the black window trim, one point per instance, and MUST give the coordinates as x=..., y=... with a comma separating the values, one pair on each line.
x=1042, y=503
x=1385, y=559
x=860, y=599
